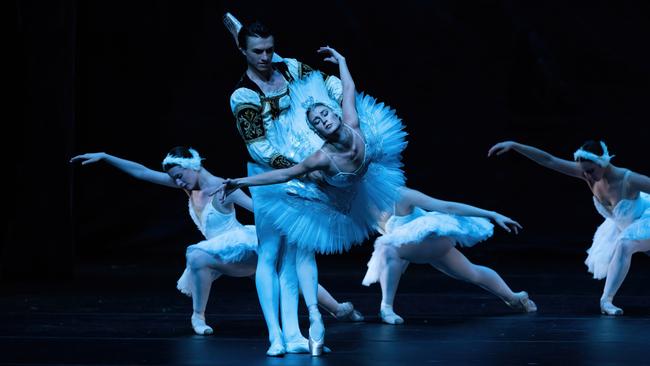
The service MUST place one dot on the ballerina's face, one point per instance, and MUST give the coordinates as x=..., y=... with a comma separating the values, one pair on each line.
x=591, y=171
x=324, y=121
x=184, y=177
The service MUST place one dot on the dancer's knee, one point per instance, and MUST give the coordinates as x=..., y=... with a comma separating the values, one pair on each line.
x=267, y=254
x=196, y=259
x=388, y=255
x=625, y=248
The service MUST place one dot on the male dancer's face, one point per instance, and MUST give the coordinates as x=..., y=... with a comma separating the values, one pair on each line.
x=259, y=53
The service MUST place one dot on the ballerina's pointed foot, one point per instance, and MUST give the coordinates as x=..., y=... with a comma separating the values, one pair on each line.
x=522, y=302
x=317, y=347
x=316, y=333
x=199, y=326
x=232, y=24
x=301, y=345
x=347, y=313
x=607, y=308
x=388, y=316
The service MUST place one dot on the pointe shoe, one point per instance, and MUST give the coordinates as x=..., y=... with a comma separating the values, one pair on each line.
x=302, y=346
x=522, y=302
x=316, y=346
x=233, y=25
x=347, y=313
x=389, y=317
x=607, y=308
x=276, y=350
x=199, y=326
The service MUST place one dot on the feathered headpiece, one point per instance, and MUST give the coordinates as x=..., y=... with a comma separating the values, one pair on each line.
x=602, y=160
x=193, y=163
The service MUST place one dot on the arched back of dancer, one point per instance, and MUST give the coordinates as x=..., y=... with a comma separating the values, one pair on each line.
x=230, y=248
x=620, y=195
x=423, y=229
x=327, y=202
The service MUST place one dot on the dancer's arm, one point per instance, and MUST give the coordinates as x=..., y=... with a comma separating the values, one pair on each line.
x=419, y=199
x=348, y=101
x=131, y=168
x=541, y=157
x=241, y=199
x=640, y=182
x=316, y=161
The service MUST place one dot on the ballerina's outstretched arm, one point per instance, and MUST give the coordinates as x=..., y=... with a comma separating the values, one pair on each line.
x=131, y=168
x=348, y=101
x=419, y=199
x=143, y=173
x=541, y=157
x=314, y=162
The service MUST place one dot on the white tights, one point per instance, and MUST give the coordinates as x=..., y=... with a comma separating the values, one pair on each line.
x=440, y=253
x=619, y=267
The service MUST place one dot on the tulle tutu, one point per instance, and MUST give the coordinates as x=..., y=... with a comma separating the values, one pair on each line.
x=420, y=225
x=629, y=220
x=232, y=246
x=330, y=219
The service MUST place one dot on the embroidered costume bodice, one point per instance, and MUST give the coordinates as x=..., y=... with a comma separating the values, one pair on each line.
x=273, y=138
x=211, y=222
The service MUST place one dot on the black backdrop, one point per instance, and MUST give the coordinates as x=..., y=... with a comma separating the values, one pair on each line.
x=137, y=78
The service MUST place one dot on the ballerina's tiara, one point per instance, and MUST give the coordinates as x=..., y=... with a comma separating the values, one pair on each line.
x=602, y=160
x=193, y=163
x=308, y=103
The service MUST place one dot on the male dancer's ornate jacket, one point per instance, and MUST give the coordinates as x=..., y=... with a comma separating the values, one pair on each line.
x=262, y=118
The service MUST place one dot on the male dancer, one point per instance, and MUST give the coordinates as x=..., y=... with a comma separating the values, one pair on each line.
x=260, y=105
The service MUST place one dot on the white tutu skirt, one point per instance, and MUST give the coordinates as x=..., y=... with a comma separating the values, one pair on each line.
x=232, y=246
x=421, y=225
x=329, y=219
x=610, y=233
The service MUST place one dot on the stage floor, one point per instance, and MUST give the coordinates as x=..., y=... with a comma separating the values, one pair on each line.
x=129, y=313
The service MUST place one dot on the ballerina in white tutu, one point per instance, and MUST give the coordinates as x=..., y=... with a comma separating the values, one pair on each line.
x=230, y=247
x=354, y=175
x=620, y=196
x=422, y=229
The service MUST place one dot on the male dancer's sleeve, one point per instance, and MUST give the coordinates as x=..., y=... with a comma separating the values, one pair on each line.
x=247, y=109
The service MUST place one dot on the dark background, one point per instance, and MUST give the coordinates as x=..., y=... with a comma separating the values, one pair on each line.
x=136, y=78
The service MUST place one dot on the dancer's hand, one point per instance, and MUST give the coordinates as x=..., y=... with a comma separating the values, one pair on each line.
x=507, y=223
x=501, y=148
x=88, y=158
x=331, y=55
x=316, y=176
x=227, y=187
